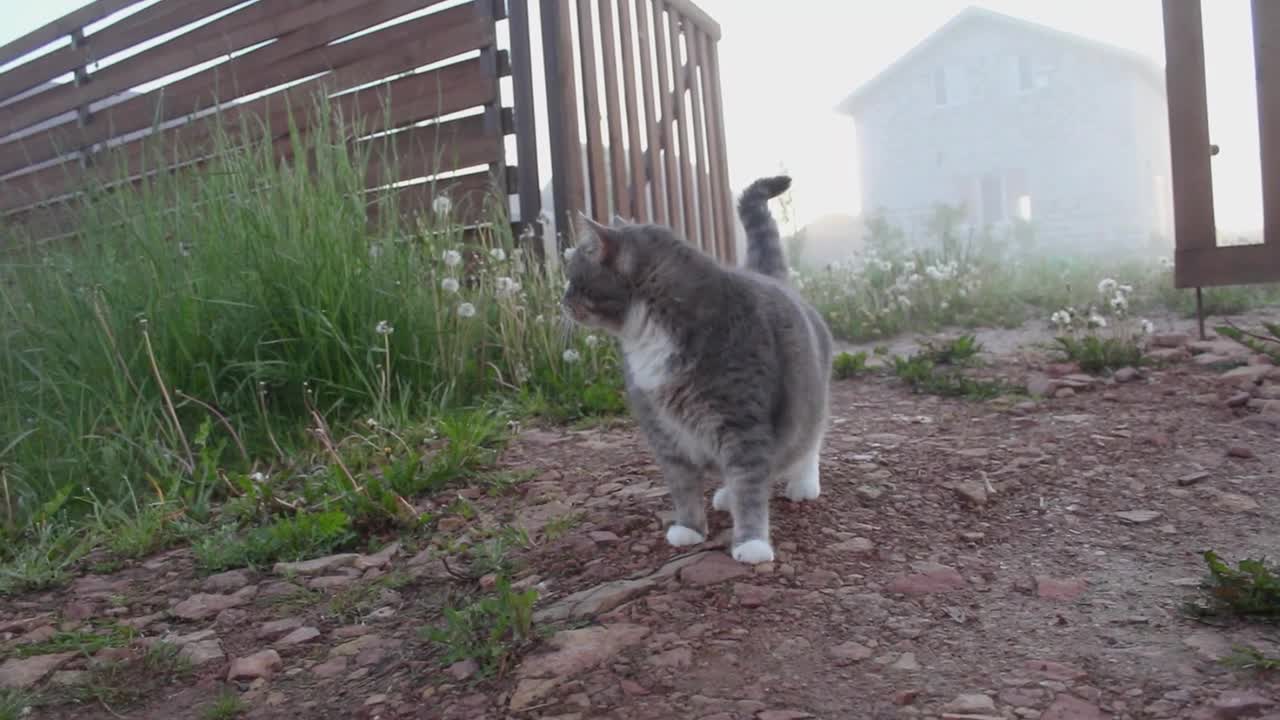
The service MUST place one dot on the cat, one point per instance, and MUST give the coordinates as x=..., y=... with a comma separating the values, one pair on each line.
x=726, y=368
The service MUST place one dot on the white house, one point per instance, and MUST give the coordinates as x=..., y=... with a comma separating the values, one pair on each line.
x=1017, y=120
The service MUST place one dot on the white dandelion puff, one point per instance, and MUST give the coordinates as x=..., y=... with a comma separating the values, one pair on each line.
x=1107, y=285
x=466, y=310
x=449, y=285
x=384, y=328
x=1148, y=327
x=452, y=258
x=498, y=254
x=592, y=341
x=571, y=356
x=506, y=287
x=442, y=204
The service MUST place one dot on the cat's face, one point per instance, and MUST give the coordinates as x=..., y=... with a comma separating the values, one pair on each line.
x=599, y=291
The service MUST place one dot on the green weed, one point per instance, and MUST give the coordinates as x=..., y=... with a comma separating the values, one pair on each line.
x=1098, y=354
x=1249, y=590
x=228, y=706
x=847, y=365
x=84, y=641
x=490, y=631
x=287, y=539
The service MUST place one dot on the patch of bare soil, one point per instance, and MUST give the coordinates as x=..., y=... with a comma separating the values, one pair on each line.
x=965, y=560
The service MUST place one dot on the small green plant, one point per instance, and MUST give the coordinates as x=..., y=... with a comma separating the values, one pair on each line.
x=957, y=351
x=558, y=527
x=1251, y=658
x=1265, y=342
x=923, y=376
x=1250, y=590
x=43, y=559
x=228, y=706
x=84, y=641
x=490, y=631
x=288, y=539
x=1098, y=354
x=14, y=704
x=847, y=365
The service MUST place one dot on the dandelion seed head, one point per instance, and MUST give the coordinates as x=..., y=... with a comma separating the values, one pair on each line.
x=1106, y=286
x=592, y=341
x=498, y=254
x=384, y=328
x=449, y=285
x=571, y=356
x=442, y=204
x=466, y=310
x=452, y=258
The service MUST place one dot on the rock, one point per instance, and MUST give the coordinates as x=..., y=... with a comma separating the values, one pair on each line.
x=858, y=546
x=202, y=652
x=1139, y=517
x=1169, y=355
x=261, y=664
x=870, y=493
x=906, y=662
x=203, y=606
x=970, y=704
x=1064, y=393
x=783, y=715
x=594, y=601
x=1126, y=375
x=298, y=637
x=463, y=669
x=753, y=595
x=1241, y=452
x=318, y=566
x=680, y=657
x=332, y=582
x=379, y=699
x=1240, y=703
x=227, y=582
x=1239, y=399
x=850, y=652
x=713, y=568
x=575, y=651
x=1236, y=503
x=333, y=667
x=1056, y=671
x=1246, y=376
x=21, y=673
x=1210, y=645
x=971, y=491
x=1070, y=707
x=604, y=537
x=936, y=579
x=1039, y=385
x=70, y=678
x=276, y=628
x=39, y=635
x=379, y=560
x=1193, y=478
x=1170, y=340
x=1061, y=590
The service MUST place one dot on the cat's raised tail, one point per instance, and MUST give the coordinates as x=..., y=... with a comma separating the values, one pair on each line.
x=764, y=245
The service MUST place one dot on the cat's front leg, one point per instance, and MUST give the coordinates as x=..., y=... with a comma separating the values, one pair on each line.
x=684, y=482
x=746, y=492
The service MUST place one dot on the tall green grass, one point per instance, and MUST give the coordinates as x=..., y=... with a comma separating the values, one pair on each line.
x=205, y=320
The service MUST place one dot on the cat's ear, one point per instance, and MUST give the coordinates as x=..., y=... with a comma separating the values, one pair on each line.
x=607, y=240
x=618, y=221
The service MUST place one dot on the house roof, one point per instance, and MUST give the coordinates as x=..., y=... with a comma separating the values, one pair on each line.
x=972, y=14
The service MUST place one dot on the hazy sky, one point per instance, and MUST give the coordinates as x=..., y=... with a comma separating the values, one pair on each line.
x=785, y=65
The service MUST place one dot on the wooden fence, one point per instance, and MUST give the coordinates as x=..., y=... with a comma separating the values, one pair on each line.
x=104, y=95
x=1198, y=260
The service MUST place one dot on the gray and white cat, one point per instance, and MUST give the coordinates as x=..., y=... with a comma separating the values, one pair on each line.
x=726, y=369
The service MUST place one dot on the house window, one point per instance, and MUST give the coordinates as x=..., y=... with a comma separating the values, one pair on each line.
x=940, y=86
x=1026, y=76
x=1024, y=208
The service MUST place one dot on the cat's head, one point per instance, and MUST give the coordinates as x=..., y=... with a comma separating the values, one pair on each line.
x=603, y=270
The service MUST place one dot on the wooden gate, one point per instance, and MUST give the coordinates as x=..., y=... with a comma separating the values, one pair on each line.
x=1199, y=261
x=654, y=150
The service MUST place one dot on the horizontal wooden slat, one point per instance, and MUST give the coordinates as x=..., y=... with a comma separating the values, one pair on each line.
x=1231, y=265
x=409, y=99
x=431, y=149
x=299, y=54
x=64, y=25
x=195, y=139
x=470, y=197
x=247, y=26
x=144, y=25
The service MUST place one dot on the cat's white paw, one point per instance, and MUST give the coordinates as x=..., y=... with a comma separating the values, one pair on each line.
x=681, y=536
x=721, y=499
x=753, y=552
x=806, y=485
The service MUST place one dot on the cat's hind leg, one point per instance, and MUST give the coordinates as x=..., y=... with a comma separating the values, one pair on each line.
x=804, y=478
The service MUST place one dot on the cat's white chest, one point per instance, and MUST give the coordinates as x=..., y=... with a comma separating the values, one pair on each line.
x=648, y=349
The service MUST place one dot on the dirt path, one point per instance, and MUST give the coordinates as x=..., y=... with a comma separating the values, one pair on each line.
x=965, y=560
